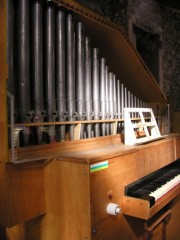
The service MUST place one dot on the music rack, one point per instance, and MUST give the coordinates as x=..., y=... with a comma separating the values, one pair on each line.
x=147, y=125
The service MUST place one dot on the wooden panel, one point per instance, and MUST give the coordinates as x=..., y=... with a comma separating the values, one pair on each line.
x=3, y=84
x=3, y=190
x=26, y=196
x=76, y=200
x=172, y=228
x=154, y=156
x=124, y=170
x=108, y=186
x=118, y=227
x=67, y=201
x=90, y=150
x=177, y=144
x=16, y=232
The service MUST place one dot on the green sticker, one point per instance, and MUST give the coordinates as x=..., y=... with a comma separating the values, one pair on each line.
x=98, y=166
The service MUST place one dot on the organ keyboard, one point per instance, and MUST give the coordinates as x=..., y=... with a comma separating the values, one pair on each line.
x=152, y=191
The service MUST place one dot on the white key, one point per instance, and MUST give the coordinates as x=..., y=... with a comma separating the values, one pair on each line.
x=159, y=192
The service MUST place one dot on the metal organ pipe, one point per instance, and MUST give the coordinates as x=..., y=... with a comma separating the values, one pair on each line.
x=37, y=59
x=118, y=94
x=60, y=71
x=125, y=98
x=88, y=85
x=122, y=100
x=36, y=65
x=80, y=70
x=95, y=81
x=49, y=68
x=132, y=104
x=75, y=79
x=111, y=97
x=102, y=94
x=10, y=32
x=70, y=80
x=22, y=52
x=114, y=96
x=107, y=98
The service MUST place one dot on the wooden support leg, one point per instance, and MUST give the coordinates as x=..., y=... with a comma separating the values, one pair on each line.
x=148, y=229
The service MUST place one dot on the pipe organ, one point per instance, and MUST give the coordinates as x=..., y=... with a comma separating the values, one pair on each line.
x=59, y=74
x=70, y=74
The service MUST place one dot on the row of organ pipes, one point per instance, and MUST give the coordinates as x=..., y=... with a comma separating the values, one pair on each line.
x=55, y=73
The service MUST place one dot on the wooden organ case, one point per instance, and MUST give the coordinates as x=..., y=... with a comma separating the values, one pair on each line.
x=61, y=190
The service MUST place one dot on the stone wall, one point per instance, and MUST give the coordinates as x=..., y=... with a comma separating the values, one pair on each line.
x=156, y=19
x=115, y=10
x=171, y=54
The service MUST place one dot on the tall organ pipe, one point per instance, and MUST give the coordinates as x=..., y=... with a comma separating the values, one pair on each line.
x=102, y=94
x=70, y=80
x=80, y=73
x=49, y=71
x=107, y=98
x=22, y=50
x=88, y=84
x=118, y=94
x=37, y=58
x=122, y=100
x=95, y=77
x=114, y=96
x=80, y=70
x=111, y=98
x=11, y=79
x=60, y=71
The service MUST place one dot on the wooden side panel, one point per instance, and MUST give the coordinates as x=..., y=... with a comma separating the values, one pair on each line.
x=3, y=115
x=3, y=203
x=68, y=204
x=26, y=195
x=3, y=84
x=177, y=143
x=108, y=186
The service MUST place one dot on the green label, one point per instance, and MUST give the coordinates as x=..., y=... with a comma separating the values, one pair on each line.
x=98, y=166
